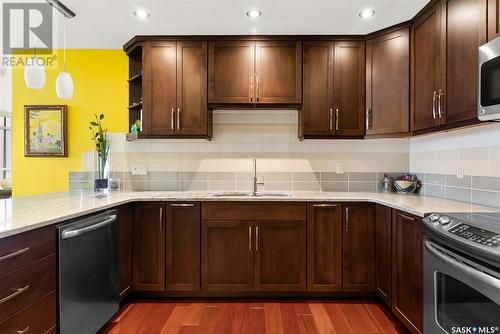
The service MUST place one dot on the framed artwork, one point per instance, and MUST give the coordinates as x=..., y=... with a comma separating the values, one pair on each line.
x=45, y=131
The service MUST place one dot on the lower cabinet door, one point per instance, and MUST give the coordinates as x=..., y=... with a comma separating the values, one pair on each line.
x=383, y=244
x=183, y=246
x=280, y=256
x=226, y=256
x=407, y=272
x=359, y=248
x=149, y=247
x=324, y=247
x=125, y=222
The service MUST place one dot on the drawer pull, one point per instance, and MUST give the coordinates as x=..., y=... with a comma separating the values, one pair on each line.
x=182, y=205
x=325, y=205
x=14, y=294
x=14, y=254
x=24, y=330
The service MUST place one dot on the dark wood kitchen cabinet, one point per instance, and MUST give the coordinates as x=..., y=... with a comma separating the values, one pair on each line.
x=227, y=256
x=280, y=256
x=324, y=247
x=257, y=73
x=183, y=246
x=493, y=10
x=149, y=247
x=407, y=270
x=125, y=226
x=426, y=68
x=358, y=248
x=383, y=253
x=253, y=246
x=334, y=90
x=444, y=63
x=175, y=89
x=388, y=84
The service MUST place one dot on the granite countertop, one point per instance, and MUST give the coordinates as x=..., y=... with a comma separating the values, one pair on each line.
x=21, y=214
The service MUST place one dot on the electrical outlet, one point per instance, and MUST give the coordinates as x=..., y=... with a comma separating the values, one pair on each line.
x=139, y=169
x=460, y=171
x=339, y=168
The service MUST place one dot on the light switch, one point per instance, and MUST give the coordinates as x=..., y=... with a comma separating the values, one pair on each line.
x=339, y=168
x=139, y=169
x=460, y=171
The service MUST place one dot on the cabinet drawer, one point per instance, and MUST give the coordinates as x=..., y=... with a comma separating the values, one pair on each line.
x=39, y=317
x=237, y=211
x=22, y=287
x=25, y=248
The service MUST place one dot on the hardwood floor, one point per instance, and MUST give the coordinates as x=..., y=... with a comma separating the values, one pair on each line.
x=221, y=317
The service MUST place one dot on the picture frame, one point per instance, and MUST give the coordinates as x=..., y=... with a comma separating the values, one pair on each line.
x=45, y=131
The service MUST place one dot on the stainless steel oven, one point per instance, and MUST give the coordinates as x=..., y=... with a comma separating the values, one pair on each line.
x=489, y=81
x=462, y=273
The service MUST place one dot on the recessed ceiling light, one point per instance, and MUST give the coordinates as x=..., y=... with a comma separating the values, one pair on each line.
x=141, y=14
x=254, y=13
x=367, y=13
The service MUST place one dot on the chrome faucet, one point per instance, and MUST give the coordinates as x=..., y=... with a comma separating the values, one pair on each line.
x=255, y=181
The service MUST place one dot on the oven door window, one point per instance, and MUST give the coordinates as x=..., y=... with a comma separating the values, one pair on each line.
x=459, y=306
x=490, y=82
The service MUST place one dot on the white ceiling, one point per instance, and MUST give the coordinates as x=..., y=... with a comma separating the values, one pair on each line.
x=110, y=23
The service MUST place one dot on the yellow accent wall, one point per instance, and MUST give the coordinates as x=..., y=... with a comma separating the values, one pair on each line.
x=99, y=78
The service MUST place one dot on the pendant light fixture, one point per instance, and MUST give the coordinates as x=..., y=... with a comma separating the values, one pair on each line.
x=34, y=73
x=64, y=82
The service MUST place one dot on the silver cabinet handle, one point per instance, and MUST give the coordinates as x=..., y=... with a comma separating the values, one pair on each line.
x=249, y=238
x=24, y=330
x=257, y=238
x=367, y=118
x=14, y=254
x=161, y=218
x=14, y=294
x=172, y=119
x=324, y=205
x=67, y=234
x=440, y=113
x=258, y=88
x=331, y=119
x=184, y=205
x=434, y=104
x=178, y=118
x=251, y=88
x=347, y=219
x=337, y=118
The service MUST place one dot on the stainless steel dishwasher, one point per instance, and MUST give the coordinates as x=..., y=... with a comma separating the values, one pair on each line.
x=88, y=276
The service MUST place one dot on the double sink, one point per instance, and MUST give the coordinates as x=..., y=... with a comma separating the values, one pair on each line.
x=251, y=194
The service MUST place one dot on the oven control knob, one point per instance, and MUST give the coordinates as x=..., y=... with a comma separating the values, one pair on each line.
x=444, y=220
x=434, y=217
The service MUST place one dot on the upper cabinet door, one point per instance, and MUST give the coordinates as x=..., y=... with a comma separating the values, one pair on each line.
x=278, y=72
x=231, y=72
x=426, y=69
x=317, y=110
x=349, y=88
x=191, y=112
x=160, y=88
x=388, y=83
x=463, y=37
x=493, y=11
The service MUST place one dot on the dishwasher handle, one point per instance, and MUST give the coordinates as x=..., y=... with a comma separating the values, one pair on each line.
x=72, y=233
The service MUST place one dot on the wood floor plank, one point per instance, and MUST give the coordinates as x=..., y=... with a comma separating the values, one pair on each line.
x=241, y=317
x=322, y=319
x=339, y=320
x=289, y=318
x=274, y=322
x=306, y=324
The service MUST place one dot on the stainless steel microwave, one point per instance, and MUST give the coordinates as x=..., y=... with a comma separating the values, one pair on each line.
x=489, y=81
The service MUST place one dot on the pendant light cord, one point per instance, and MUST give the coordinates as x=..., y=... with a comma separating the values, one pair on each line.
x=64, y=42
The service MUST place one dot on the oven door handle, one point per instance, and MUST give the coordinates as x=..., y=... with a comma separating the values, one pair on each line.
x=476, y=274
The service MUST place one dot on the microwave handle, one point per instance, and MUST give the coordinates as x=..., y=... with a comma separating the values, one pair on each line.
x=471, y=272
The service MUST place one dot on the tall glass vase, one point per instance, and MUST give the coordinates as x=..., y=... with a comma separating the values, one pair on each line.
x=102, y=170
